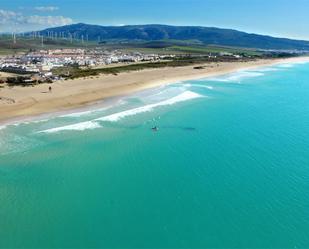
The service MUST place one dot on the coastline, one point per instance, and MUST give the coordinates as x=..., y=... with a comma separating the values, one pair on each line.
x=19, y=103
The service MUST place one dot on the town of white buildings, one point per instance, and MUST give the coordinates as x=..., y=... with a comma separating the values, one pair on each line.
x=43, y=61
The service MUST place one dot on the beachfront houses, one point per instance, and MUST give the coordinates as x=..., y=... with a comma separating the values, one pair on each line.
x=43, y=61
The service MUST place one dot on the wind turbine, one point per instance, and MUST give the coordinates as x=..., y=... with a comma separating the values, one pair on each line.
x=14, y=34
x=14, y=38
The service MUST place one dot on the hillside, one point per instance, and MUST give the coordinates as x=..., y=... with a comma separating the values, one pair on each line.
x=24, y=44
x=204, y=35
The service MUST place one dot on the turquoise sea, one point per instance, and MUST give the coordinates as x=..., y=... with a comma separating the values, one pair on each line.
x=228, y=168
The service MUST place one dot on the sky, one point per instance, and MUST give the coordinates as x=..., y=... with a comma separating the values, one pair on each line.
x=280, y=18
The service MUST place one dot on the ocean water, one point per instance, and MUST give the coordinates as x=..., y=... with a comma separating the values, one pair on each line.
x=228, y=168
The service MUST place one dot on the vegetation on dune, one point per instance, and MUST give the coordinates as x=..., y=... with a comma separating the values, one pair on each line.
x=72, y=72
x=25, y=81
x=214, y=49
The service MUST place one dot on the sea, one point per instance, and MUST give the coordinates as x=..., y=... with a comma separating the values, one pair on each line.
x=219, y=162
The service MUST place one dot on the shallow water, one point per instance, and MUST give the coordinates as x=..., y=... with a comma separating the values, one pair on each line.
x=228, y=167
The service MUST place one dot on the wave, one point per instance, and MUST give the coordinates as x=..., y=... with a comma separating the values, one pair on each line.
x=13, y=143
x=34, y=121
x=291, y=64
x=199, y=85
x=175, y=82
x=22, y=122
x=238, y=76
x=74, y=127
x=265, y=69
x=286, y=65
x=188, y=95
x=78, y=114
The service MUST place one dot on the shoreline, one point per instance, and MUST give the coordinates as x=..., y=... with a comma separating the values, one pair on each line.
x=19, y=104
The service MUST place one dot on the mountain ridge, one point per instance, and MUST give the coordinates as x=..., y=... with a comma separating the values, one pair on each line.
x=153, y=32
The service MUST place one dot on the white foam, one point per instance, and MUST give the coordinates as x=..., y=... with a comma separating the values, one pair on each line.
x=265, y=69
x=74, y=127
x=83, y=113
x=188, y=95
x=30, y=122
x=243, y=74
x=76, y=114
x=177, y=82
x=292, y=64
x=287, y=65
x=199, y=85
x=236, y=77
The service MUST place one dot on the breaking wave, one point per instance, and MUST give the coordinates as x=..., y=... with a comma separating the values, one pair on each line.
x=199, y=85
x=286, y=65
x=188, y=95
x=238, y=76
x=78, y=114
x=265, y=69
x=292, y=64
x=74, y=127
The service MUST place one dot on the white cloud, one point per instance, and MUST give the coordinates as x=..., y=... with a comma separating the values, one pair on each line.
x=7, y=16
x=46, y=8
x=48, y=20
x=16, y=18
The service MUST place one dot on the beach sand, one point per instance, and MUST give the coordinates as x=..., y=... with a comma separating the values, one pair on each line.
x=22, y=102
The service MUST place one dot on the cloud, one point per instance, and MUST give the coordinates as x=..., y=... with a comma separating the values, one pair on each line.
x=7, y=16
x=46, y=8
x=48, y=20
x=17, y=18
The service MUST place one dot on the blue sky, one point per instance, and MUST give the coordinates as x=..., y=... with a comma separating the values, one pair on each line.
x=284, y=18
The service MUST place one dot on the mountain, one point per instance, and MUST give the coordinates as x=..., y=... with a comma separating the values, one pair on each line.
x=206, y=35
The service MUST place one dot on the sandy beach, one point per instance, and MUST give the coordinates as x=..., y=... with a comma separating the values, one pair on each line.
x=22, y=102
